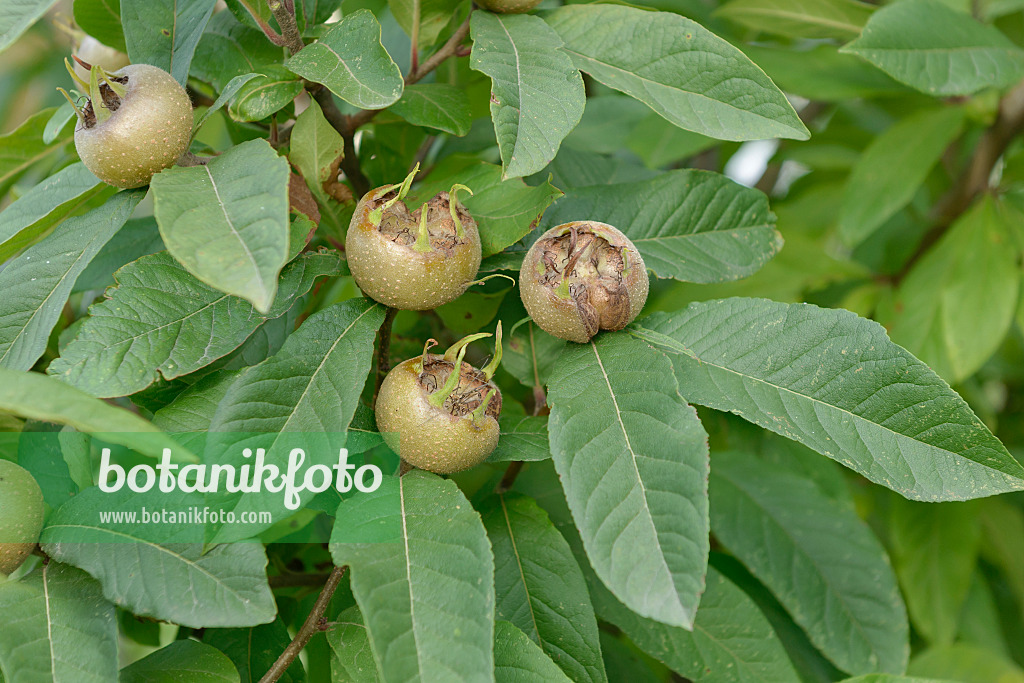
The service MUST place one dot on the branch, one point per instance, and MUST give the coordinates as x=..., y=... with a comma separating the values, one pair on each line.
x=384, y=354
x=314, y=624
x=975, y=179
x=284, y=12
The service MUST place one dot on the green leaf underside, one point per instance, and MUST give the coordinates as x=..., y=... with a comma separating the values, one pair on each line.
x=834, y=382
x=540, y=588
x=892, y=169
x=537, y=95
x=227, y=221
x=229, y=91
x=938, y=50
x=223, y=587
x=37, y=284
x=266, y=94
x=690, y=225
x=517, y=659
x=351, y=61
x=161, y=321
x=165, y=33
x=182, y=660
x=633, y=460
x=427, y=598
x=800, y=18
x=689, y=75
x=824, y=564
x=57, y=627
x=435, y=105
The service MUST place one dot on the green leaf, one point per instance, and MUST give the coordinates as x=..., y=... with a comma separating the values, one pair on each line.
x=254, y=650
x=58, y=628
x=690, y=225
x=425, y=18
x=193, y=409
x=45, y=205
x=350, y=643
x=531, y=353
x=800, y=18
x=966, y=663
x=17, y=17
x=229, y=49
x=435, y=105
x=819, y=559
x=540, y=588
x=182, y=660
x=731, y=641
x=266, y=94
x=1003, y=540
x=139, y=237
x=823, y=73
x=893, y=167
x=938, y=50
x=522, y=438
x=351, y=61
x=517, y=659
x=934, y=551
x=957, y=304
x=687, y=74
x=505, y=210
x=315, y=147
x=37, y=284
x=537, y=95
x=427, y=599
x=227, y=221
x=24, y=146
x=165, y=33
x=890, y=678
x=229, y=91
x=225, y=586
x=56, y=124
x=834, y=382
x=101, y=18
x=633, y=460
x=159, y=321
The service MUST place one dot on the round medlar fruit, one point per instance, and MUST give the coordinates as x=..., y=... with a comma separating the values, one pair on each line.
x=440, y=413
x=412, y=260
x=137, y=121
x=21, y=515
x=509, y=6
x=583, y=277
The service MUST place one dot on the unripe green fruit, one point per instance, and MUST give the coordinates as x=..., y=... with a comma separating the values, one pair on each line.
x=21, y=515
x=454, y=436
x=148, y=129
x=583, y=277
x=392, y=264
x=509, y=6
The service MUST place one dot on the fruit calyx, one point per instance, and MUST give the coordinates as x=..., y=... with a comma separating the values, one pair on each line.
x=107, y=89
x=585, y=267
x=467, y=392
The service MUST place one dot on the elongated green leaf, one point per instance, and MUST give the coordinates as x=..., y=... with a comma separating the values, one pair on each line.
x=227, y=221
x=165, y=33
x=435, y=105
x=800, y=18
x=893, y=167
x=429, y=17
x=505, y=211
x=350, y=643
x=834, y=382
x=938, y=50
x=823, y=73
x=522, y=438
x=18, y=16
x=193, y=409
x=537, y=94
x=966, y=663
x=428, y=598
x=161, y=321
x=229, y=91
x=689, y=225
x=935, y=550
x=517, y=659
x=24, y=146
x=37, y=284
x=266, y=94
x=687, y=74
x=956, y=305
x=182, y=660
x=178, y=582
x=540, y=588
x=44, y=206
x=254, y=650
x=101, y=18
x=58, y=122
x=315, y=147
x=633, y=459
x=58, y=628
x=818, y=558
x=351, y=61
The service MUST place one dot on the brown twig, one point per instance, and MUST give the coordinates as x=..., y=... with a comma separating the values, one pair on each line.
x=384, y=352
x=975, y=178
x=509, y=478
x=315, y=623
x=284, y=12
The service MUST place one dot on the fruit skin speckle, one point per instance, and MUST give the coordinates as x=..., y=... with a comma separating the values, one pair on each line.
x=147, y=133
x=21, y=515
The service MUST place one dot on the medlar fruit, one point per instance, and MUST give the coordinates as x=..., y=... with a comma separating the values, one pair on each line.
x=440, y=413
x=21, y=515
x=582, y=277
x=412, y=260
